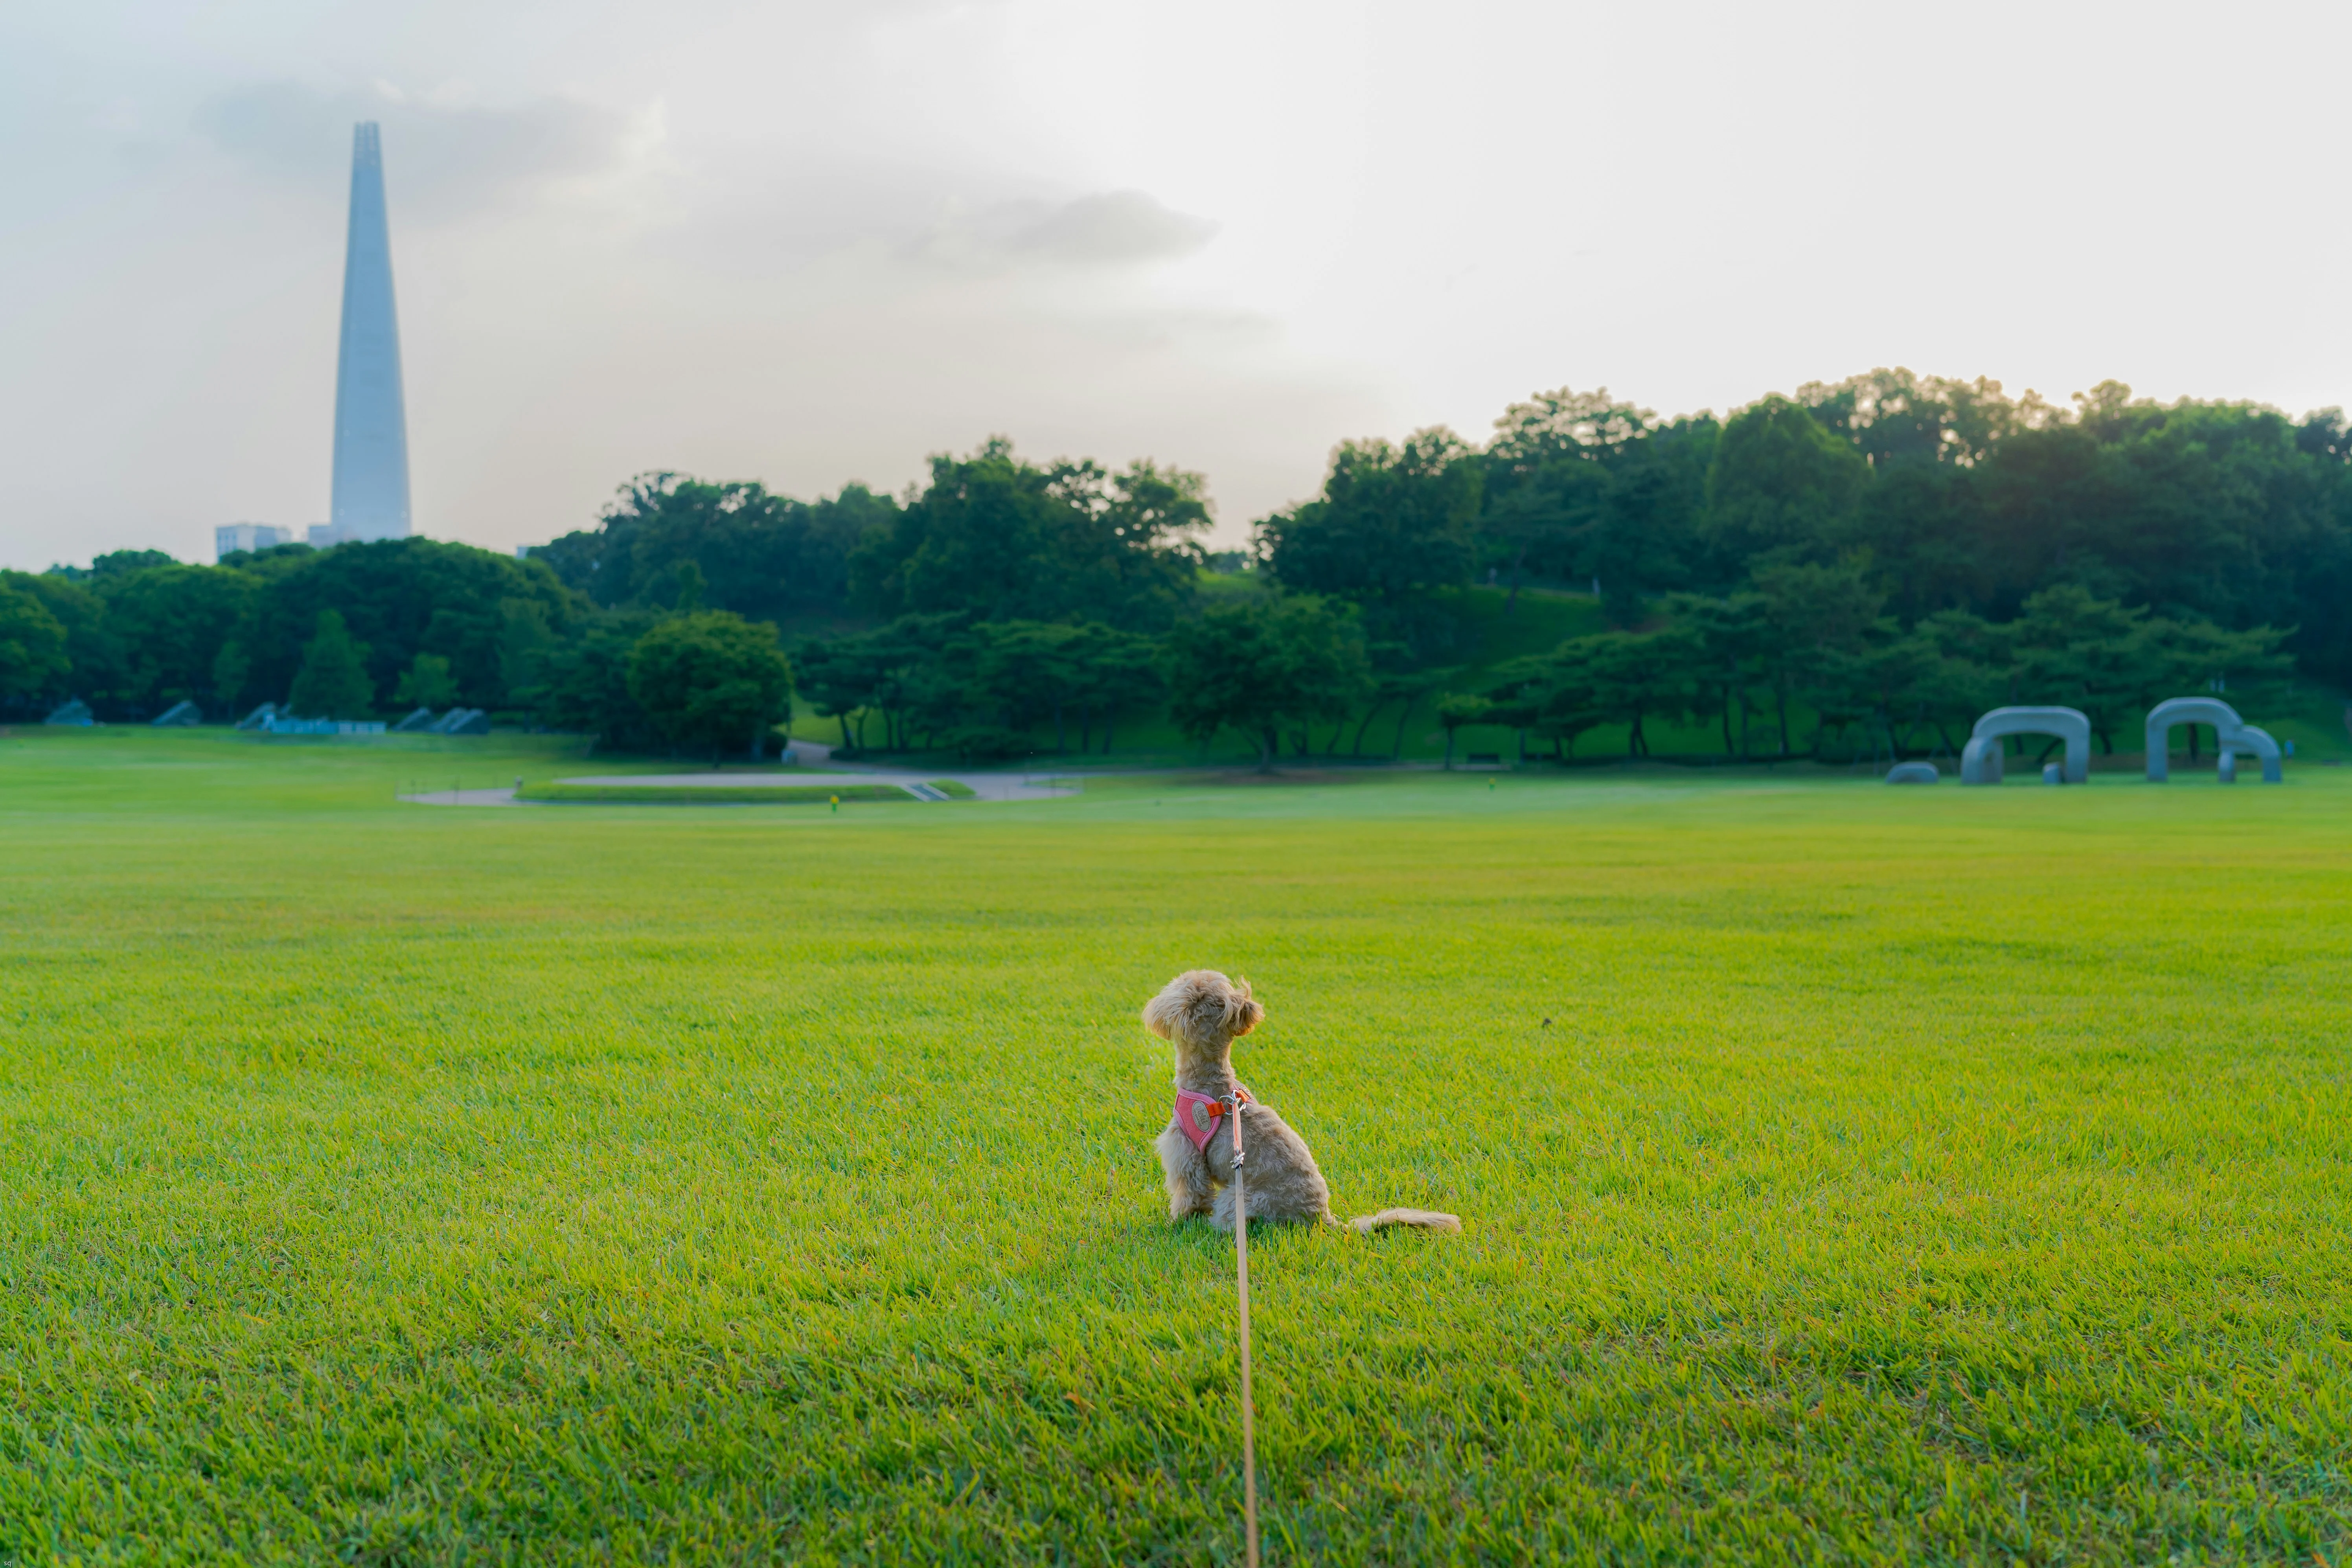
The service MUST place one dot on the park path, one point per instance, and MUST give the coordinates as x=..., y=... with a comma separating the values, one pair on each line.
x=984, y=785
x=987, y=787
x=467, y=797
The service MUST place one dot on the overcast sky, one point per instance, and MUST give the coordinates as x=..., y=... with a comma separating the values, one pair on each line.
x=809, y=243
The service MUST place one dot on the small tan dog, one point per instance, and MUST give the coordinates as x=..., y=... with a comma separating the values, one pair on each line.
x=1202, y=1014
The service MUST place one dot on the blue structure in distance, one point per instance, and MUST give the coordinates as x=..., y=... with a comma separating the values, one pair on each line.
x=371, y=498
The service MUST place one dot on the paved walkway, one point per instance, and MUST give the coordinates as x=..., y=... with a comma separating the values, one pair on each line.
x=986, y=786
x=468, y=797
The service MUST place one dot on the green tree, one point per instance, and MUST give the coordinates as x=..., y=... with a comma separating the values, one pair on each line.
x=581, y=684
x=1457, y=708
x=1966, y=672
x=425, y=683
x=1635, y=677
x=121, y=562
x=525, y=640
x=1002, y=539
x=1259, y=666
x=839, y=676
x=1031, y=670
x=763, y=555
x=1581, y=488
x=1394, y=680
x=1391, y=530
x=33, y=659
x=1567, y=701
x=927, y=680
x=2190, y=656
x=1731, y=646
x=231, y=667
x=1513, y=693
x=1116, y=671
x=332, y=682
x=711, y=679
x=1818, y=620
x=400, y=597
x=1547, y=473
x=1783, y=486
x=94, y=651
x=170, y=622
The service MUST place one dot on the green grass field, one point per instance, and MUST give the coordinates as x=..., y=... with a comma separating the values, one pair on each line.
x=1903, y=1175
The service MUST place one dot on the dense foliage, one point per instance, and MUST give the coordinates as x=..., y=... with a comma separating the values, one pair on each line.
x=711, y=681
x=332, y=682
x=1266, y=667
x=762, y=556
x=1006, y=540
x=1950, y=496
x=1855, y=569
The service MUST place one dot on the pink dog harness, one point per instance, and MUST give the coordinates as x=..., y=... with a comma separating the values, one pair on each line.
x=1198, y=1116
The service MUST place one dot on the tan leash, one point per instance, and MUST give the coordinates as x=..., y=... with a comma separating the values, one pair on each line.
x=1241, y=1273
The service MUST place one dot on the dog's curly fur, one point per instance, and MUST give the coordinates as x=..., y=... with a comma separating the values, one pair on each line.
x=1202, y=1014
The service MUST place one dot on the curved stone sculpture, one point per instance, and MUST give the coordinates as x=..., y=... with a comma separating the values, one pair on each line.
x=1914, y=773
x=1981, y=758
x=2231, y=735
x=2257, y=742
x=2161, y=717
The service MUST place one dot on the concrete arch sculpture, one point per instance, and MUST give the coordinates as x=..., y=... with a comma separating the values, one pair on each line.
x=2231, y=735
x=1980, y=758
x=2256, y=742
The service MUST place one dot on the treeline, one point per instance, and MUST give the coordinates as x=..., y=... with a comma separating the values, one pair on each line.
x=1861, y=567
x=1813, y=642
x=137, y=632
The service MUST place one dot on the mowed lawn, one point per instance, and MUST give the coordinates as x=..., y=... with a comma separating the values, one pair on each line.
x=1902, y=1175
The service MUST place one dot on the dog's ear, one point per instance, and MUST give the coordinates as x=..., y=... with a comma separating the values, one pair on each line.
x=1159, y=1015
x=1242, y=1011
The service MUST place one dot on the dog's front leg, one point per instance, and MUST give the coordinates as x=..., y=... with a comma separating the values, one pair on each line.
x=1187, y=1175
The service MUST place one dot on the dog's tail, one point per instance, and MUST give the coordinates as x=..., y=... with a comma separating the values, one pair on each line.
x=1419, y=1219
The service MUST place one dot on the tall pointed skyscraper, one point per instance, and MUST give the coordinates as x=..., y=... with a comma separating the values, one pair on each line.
x=370, y=424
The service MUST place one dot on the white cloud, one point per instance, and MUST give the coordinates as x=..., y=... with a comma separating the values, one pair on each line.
x=1107, y=230
x=1111, y=228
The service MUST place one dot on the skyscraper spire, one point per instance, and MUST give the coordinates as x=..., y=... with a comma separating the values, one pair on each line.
x=371, y=499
